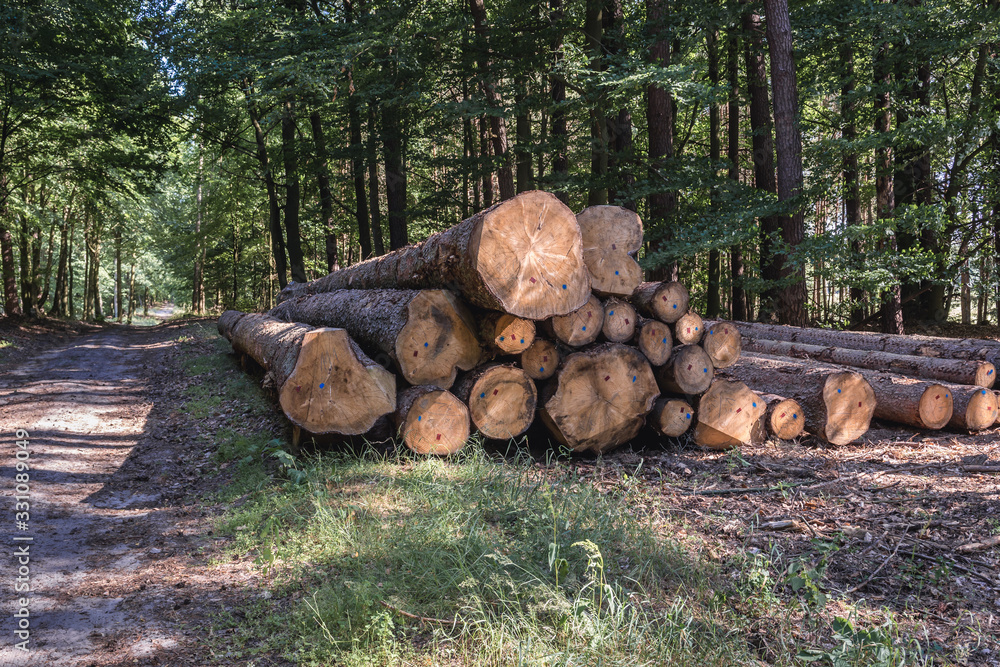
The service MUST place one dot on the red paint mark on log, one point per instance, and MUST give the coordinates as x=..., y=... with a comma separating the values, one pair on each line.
x=782, y=415
x=414, y=353
x=859, y=404
x=589, y=314
x=545, y=358
x=626, y=320
x=607, y=377
x=937, y=397
x=439, y=436
x=298, y=389
x=532, y=280
x=496, y=391
x=614, y=247
x=689, y=366
x=739, y=410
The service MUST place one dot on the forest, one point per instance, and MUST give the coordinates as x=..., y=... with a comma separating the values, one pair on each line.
x=804, y=162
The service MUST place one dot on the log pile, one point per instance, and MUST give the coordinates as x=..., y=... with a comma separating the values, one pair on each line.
x=528, y=314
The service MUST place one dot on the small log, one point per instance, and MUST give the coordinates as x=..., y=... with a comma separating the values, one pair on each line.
x=722, y=342
x=611, y=237
x=975, y=408
x=523, y=256
x=580, y=327
x=501, y=399
x=689, y=371
x=671, y=416
x=784, y=418
x=428, y=334
x=541, y=360
x=727, y=414
x=665, y=301
x=619, y=320
x=599, y=398
x=431, y=420
x=507, y=334
x=837, y=404
x=655, y=341
x=979, y=373
x=325, y=383
x=689, y=329
x=921, y=346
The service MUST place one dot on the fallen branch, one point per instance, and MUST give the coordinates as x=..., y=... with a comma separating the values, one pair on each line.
x=979, y=546
x=981, y=468
x=867, y=581
x=750, y=489
x=424, y=619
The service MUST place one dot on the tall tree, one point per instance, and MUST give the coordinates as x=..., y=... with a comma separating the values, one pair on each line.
x=660, y=121
x=852, y=184
x=293, y=195
x=714, y=293
x=593, y=30
x=738, y=300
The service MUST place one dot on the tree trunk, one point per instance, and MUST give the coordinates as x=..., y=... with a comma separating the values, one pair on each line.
x=979, y=373
x=274, y=209
x=502, y=399
x=428, y=334
x=599, y=399
x=293, y=197
x=892, y=311
x=689, y=371
x=852, y=186
x=727, y=415
x=593, y=31
x=788, y=143
x=560, y=158
x=612, y=235
x=524, y=146
x=395, y=176
x=323, y=184
x=713, y=296
x=373, y=188
x=620, y=162
x=837, y=404
x=491, y=258
x=671, y=416
x=131, y=290
x=620, y=321
x=118, y=275
x=763, y=158
x=666, y=301
x=198, y=283
x=431, y=420
x=357, y=166
x=738, y=300
x=660, y=120
x=325, y=383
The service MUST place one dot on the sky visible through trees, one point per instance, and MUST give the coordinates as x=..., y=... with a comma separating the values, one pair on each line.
x=817, y=161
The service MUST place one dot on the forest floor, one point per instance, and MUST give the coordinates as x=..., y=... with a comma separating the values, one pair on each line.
x=157, y=486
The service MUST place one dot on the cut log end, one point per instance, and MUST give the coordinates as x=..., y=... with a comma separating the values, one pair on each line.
x=986, y=375
x=332, y=390
x=656, y=341
x=600, y=398
x=689, y=329
x=785, y=418
x=510, y=334
x=438, y=338
x=689, y=371
x=432, y=420
x=722, y=343
x=541, y=360
x=727, y=414
x=665, y=301
x=502, y=402
x=672, y=416
x=850, y=404
x=529, y=253
x=975, y=409
x=581, y=326
x=935, y=407
x=619, y=321
x=611, y=235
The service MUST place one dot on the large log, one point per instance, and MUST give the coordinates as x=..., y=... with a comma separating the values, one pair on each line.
x=838, y=404
x=507, y=334
x=599, y=398
x=975, y=408
x=722, y=342
x=665, y=301
x=655, y=341
x=727, y=414
x=783, y=418
x=979, y=373
x=689, y=329
x=688, y=371
x=431, y=420
x=671, y=416
x=921, y=346
x=620, y=320
x=580, y=327
x=429, y=334
x=541, y=360
x=325, y=383
x=611, y=237
x=523, y=256
x=501, y=399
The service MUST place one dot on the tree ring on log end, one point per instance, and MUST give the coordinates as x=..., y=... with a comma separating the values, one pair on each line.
x=438, y=338
x=787, y=420
x=850, y=403
x=436, y=423
x=502, y=402
x=936, y=406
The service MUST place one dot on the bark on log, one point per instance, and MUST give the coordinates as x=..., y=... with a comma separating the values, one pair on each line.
x=922, y=346
x=523, y=256
x=541, y=360
x=689, y=329
x=507, y=334
x=619, y=321
x=501, y=399
x=838, y=404
x=429, y=334
x=611, y=237
x=665, y=301
x=783, y=418
x=580, y=327
x=671, y=416
x=431, y=420
x=975, y=408
x=722, y=343
x=325, y=383
x=689, y=371
x=600, y=398
x=655, y=341
x=727, y=415
x=978, y=373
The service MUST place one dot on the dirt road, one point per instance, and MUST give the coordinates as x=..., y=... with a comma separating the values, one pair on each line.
x=112, y=556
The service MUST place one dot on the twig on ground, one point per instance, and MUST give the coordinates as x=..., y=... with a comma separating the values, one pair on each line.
x=749, y=489
x=981, y=468
x=425, y=619
x=809, y=526
x=867, y=581
x=979, y=546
